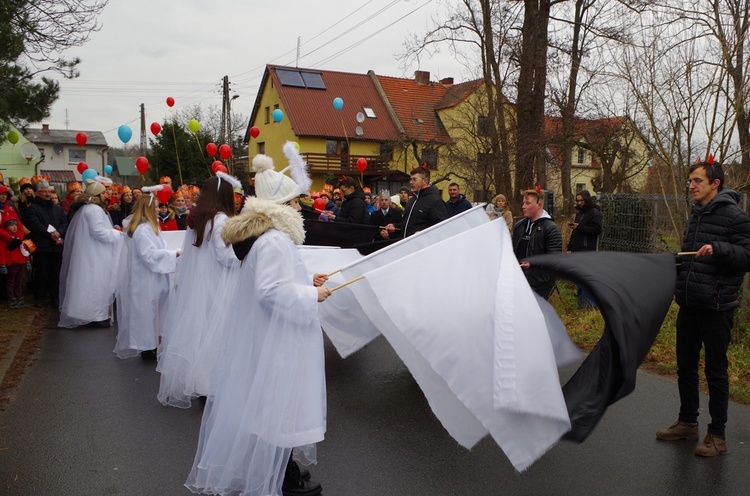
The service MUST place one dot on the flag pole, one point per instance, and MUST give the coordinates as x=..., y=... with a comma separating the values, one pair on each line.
x=347, y=283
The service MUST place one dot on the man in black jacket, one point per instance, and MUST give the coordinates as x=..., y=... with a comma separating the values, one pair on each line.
x=47, y=224
x=706, y=291
x=457, y=202
x=536, y=234
x=425, y=208
x=386, y=217
x=354, y=208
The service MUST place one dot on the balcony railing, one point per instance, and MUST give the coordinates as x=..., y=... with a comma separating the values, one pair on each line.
x=323, y=163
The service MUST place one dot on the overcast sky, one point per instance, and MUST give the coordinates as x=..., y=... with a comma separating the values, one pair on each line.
x=148, y=50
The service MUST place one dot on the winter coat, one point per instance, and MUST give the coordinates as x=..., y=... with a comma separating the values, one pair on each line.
x=40, y=215
x=711, y=283
x=585, y=237
x=460, y=205
x=354, y=208
x=545, y=238
x=12, y=256
x=423, y=210
x=393, y=216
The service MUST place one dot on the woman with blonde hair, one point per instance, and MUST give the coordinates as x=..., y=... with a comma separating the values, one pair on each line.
x=499, y=207
x=147, y=263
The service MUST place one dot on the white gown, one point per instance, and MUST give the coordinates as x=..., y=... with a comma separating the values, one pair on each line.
x=192, y=341
x=143, y=290
x=271, y=395
x=89, y=272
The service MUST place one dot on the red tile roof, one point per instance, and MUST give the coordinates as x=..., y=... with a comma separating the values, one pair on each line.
x=457, y=93
x=415, y=106
x=311, y=113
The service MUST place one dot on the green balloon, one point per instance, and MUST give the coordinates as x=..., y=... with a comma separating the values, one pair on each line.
x=13, y=137
x=194, y=125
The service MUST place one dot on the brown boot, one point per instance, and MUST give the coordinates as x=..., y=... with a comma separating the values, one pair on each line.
x=712, y=445
x=679, y=430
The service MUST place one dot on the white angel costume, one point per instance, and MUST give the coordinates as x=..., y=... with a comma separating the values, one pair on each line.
x=271, y=396
x=89, y=272
x=192, y=341
x=143, y=290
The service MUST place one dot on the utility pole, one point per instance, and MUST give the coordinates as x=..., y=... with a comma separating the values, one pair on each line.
x=143, y=129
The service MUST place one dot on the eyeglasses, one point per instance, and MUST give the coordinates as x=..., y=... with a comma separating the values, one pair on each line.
x=695, y=180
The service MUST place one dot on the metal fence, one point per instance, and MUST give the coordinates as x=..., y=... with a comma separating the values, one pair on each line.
x=645, y=223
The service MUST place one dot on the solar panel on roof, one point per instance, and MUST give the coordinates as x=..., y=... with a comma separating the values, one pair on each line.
x=314, y=80
x=290, y=78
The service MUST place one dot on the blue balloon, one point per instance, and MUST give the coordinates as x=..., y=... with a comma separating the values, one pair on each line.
x=108, y=169
x=124, y=133
x=278, y=115
x=89, y=174
x=338, y=103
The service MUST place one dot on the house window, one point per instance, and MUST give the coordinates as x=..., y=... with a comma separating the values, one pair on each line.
x=483, y=126
x=429, y=156
x=332, y=147
x=75, y=156
x=369, y=112
x=386, y=151
x=484, y=162
x=267, y=114
x=262, y=147
x=581, y=156
x=580, y=187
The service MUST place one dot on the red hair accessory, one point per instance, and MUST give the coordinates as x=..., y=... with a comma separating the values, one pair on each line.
x=710, y=159
x=424, y=165
x=699, y=160
x=538, y=189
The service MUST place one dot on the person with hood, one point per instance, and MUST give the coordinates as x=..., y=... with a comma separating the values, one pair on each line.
x=536, y=234
x=457, y=202
x=425, y=208
x=353, y=208
x=145, y=283
x=25, y=198
x=89, y=272
x=584, y=236
x=271, y=398
x=718, y=233
x=47, y=224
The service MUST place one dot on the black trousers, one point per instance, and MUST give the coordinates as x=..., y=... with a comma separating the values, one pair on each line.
x=712, y=330
x=46, y=266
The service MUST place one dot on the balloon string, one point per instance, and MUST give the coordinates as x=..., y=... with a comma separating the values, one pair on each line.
x=208, y=167
x=176, y=152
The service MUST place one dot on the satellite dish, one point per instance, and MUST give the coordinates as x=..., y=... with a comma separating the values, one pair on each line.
x=30, y=152
x=359, y=131
x=58, y=148
x=360, y=117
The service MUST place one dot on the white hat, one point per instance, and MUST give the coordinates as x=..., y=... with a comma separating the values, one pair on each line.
x=94, y=188
x=272, y=185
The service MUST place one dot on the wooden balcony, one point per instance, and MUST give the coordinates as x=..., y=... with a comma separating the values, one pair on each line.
x=323, y=163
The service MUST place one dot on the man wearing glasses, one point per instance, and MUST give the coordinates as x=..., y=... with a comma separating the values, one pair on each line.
x=425, y=208
x=718, y=232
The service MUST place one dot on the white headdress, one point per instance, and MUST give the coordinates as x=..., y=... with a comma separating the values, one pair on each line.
x=236, y=184
x=297, y=166
x=152, y=191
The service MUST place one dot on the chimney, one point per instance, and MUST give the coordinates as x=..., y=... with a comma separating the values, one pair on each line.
x=422, y=77
x=45, y=128
x=446, y=81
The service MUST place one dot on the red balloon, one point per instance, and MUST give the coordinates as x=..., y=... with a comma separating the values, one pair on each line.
x=81, y=139
x=141, y=163
x=211, y=149
x=254, y=132
x=170, y=101
x=82, y=166
x=221, y=167
x=215, y=166
x=225, y=151
x=155, y=128
x=361, y=164
x=320, y=204
x=164, y=194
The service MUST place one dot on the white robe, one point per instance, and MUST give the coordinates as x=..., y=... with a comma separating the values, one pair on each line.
x=89, y=272
x=143, y=290
x=271, y=395
x=192, y=341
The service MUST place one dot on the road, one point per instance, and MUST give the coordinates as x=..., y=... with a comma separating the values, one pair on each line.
x=86, y=423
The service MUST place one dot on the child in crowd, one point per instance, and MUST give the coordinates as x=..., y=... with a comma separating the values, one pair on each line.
x=13, y=263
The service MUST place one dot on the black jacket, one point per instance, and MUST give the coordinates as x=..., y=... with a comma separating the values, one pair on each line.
x=545, y=238
x=586, y=236
x=711, y=283
x=423, y=210
x=393, y=217
x=353, y=208
x=461, y=205
x=39, y=215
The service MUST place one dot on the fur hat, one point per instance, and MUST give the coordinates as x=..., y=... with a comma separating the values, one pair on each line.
x=272, y=185
x=73, y=186
x=94, y=188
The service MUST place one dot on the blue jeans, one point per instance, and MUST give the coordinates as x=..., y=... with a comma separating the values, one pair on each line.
x=585, y=300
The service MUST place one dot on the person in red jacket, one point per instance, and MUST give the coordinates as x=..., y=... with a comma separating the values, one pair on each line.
x=167, y=221
x=13, y=262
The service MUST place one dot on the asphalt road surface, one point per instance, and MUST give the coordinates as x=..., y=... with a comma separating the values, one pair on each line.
x=86, y=423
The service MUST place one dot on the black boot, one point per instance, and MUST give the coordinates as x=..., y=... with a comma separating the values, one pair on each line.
x=295, y=483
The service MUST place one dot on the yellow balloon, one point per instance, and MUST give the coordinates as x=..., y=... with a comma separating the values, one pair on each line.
x=13, y=137
x=194, y=125
x=296, y=145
